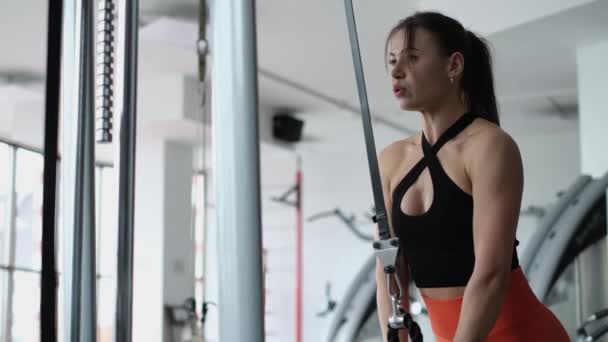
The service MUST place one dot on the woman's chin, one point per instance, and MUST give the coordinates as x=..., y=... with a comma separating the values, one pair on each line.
x=407, y=105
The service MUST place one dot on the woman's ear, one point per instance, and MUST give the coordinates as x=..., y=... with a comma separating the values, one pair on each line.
x=455, y=66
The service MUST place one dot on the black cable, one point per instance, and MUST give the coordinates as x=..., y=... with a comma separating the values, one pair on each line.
x=392, y=335
x=413, y=328
x=599, y=334
x=48, y=274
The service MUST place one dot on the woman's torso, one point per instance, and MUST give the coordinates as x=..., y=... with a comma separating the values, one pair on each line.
x=419, y=197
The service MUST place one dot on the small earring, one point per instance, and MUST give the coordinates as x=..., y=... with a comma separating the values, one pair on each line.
x=452, y=80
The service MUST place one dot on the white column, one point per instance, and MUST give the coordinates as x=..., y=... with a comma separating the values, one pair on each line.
x=593, y=107
x=593, y=123
x=164, y=247
x=148, y=242
x=236, y=170
x=178, y=258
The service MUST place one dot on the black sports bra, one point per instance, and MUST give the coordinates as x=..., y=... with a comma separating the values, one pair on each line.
x=438, y=244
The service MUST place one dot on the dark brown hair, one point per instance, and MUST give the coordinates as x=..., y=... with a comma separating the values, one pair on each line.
x=478, y=80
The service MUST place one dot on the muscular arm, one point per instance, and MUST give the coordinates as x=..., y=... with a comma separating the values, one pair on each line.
x=496, y=174
x=387, y=160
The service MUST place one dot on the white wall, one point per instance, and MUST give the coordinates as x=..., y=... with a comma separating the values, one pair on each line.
x=148, y=252
x=592, y=90
x=551, y=164
x=178, y=243
x=164, y=245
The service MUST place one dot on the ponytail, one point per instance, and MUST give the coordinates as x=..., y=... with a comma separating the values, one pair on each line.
x=478, y=80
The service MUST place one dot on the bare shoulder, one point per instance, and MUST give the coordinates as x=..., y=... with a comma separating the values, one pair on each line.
x=488, y=142
x=393, y=155
x=487, y=135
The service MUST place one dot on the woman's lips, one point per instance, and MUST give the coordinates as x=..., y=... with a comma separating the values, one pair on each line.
x=399, y=92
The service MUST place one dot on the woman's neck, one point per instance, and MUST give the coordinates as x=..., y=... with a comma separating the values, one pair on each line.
x=438, y=120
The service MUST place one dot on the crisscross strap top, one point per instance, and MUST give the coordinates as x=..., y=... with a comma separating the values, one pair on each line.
x=438, y=244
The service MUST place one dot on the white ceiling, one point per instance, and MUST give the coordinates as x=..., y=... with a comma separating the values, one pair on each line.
x=23, y=35
x=492, y=16
x=305, y=64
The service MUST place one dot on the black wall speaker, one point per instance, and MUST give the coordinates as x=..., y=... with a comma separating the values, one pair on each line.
x=286, y=127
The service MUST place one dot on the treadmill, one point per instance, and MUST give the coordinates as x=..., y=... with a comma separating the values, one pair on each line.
x=565, y=261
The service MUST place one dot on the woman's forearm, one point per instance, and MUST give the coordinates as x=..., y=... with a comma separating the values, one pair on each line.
x=383, y=306
x=483, y=300
x=384, y=312
x=383, y=302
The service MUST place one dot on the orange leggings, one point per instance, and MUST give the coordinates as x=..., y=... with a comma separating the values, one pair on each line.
x=523, y=317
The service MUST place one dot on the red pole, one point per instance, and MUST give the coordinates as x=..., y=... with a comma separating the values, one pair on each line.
x=299, y=251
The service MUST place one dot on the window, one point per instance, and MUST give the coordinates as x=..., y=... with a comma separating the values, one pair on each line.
x=5, y=222
x=105, y=309
x=28, y=185
x=198, y=199
x=107, y=222
x=26, y=307
x=5, y=205
x=3, y=300
x=107, y=249
x=21, y=246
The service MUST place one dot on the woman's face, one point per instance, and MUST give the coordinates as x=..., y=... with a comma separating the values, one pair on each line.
x=419, y=74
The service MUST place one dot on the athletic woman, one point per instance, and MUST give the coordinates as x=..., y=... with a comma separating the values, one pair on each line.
x=453, y=191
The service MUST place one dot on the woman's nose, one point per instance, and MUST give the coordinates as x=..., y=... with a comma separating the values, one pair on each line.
x=397, y=72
